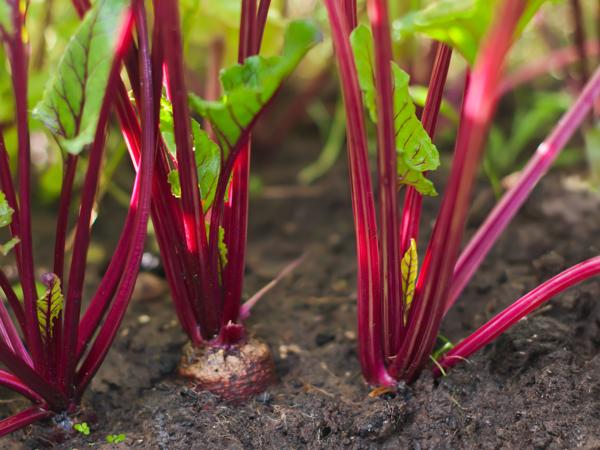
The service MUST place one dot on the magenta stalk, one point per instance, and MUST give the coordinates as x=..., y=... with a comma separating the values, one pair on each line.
x=369, y=281
x=387, y=178
x=436, y=274
x=511, y=202
x=515, y=312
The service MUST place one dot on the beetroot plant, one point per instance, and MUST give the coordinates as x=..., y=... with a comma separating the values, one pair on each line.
x=400, y=307
x=200, y=193
x=50, y=346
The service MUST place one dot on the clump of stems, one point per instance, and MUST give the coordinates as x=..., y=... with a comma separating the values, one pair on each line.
x=397, y=339
x=206, y=293
x=50, y=357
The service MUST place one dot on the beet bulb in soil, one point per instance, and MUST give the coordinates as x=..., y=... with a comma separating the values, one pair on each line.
x=200, y=197
x=49, y=351
x=400, y=308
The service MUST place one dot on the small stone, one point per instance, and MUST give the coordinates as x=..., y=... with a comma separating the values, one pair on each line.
x=285, y=350
x=144, y=319
x=350, y=335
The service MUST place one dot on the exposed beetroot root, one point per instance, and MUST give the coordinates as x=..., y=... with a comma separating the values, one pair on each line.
x=234, y=374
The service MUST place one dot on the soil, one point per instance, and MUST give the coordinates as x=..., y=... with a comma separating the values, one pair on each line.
x=538, y=386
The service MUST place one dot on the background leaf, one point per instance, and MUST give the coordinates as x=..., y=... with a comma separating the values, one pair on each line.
x=72, y=99
x=248, y=87
x=6, y=212
x=458, y=23
x=5, y=17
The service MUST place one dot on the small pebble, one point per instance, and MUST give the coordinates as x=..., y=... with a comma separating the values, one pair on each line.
x=144, y=319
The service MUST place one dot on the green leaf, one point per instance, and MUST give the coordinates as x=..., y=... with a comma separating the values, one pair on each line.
x=222, y=247
x=208, y=162
x=6, y=212
x=592, y=151
x=82, y=428
x=173, y=179
x=418, y=94
x=6, y=17
x=167, y=128
x=248, y=87
x=458, y=23
x=50, y=305
x=8, y=246
x=115, y=438
x=416, y=152
x=364, y=57
x=221, y=244
x=409, y=267
x=72, y=100
x=206, y=153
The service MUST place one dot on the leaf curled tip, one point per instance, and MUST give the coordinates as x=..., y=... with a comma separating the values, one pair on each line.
x=49, y=305
x=409, y=267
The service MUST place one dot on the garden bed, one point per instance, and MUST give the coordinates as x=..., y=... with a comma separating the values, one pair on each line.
x=538, y=386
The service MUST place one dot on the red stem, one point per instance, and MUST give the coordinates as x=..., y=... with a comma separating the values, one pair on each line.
x=236, y=234
x=13, y=300
x=511, y=202
x=101, y=300
x=32, y=379
x=519, y=309
x=62, y=224
x=442, y=252
x=141, y=199
x=19, y=61
x=10, y=335
x=369, y=282
x=209, y=297
x=236, y=213
x=351, y=13
x=22, y=419
x=411, y=213
x=8, y=380
x=261, y=22
x=166, y=217
x=388, y=173
x=83, y=234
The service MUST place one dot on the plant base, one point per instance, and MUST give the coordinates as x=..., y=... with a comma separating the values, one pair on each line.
x=60, y=428
x=234, y=374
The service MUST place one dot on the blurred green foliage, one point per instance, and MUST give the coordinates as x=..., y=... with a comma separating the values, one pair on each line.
x=51, y=23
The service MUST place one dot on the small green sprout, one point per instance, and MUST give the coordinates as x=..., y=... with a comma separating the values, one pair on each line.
x=83, y=428
x=115, y=438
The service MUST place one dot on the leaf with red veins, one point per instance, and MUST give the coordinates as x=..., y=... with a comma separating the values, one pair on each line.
x=71, y=104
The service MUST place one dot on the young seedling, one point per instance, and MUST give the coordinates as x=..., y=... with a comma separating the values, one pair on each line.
x=401, y=306
x=200, y=193
x=116, y=438
x=51, y=351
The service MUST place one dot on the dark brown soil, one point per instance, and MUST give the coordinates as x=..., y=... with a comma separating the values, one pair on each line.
x=536, y=387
